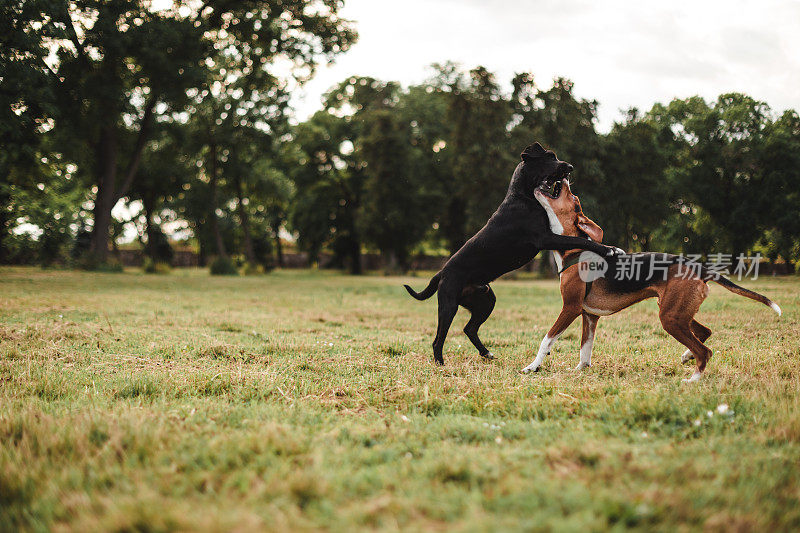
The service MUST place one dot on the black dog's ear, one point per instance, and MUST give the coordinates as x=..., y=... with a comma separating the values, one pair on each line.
x=532, y=152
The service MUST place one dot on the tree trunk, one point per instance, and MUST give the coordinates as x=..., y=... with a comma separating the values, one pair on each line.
x=544, y=261
x=107, y=192
x=5, y=199
x=147, y=206
x=738, y=250
x=214, y=195
x=138, y=150
x=202, y=255
x=276, y=229
x=453, y=225
x=355, y=257
x=404, y=261
x=249, y=252
x=106, y=197
x=115, y=248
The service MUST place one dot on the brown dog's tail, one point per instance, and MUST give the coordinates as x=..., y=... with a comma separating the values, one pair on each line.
x=741, y=291
x=428, y=291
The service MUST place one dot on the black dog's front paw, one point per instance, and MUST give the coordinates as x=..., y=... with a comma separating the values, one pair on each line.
x=439, y=361
x=614, y=251
x=489, y=356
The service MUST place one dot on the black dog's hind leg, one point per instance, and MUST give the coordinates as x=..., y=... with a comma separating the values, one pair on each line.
x=449, y=293
x=480, y=302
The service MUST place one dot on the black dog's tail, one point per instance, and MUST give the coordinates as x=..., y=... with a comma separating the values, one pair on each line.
x=428, y=291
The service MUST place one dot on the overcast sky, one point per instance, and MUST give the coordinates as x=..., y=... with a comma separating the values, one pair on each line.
x=622, y=53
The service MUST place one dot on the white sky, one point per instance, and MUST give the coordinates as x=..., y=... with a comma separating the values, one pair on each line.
x=622, y=53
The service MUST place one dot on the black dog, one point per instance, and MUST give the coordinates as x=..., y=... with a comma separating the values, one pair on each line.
x=515, y=233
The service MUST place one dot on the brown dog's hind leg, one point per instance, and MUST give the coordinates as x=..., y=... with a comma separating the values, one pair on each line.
x=480, y=303
x=702, y=333
x=678, y=303
x=679, y=326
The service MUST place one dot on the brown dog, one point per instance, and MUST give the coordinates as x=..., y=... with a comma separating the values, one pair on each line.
x=680, y=290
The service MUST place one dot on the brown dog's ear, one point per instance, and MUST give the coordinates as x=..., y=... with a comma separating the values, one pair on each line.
x=586, y=225
x=532, y=152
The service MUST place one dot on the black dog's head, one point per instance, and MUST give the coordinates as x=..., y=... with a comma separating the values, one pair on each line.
x=540, y=169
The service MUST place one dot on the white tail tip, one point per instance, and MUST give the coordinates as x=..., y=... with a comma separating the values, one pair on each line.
x=776, y=308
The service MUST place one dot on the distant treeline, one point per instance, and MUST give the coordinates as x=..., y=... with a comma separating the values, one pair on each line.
x=177, y=115
x=398, y=169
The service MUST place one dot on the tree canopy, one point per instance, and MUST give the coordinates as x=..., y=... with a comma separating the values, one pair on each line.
x=179, y=118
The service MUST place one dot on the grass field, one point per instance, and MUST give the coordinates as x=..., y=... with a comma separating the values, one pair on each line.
x=307, y=400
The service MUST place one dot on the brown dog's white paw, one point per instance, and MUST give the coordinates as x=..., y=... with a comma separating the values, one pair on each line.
x=583, y=365
x=695, y=377
x=687, y=356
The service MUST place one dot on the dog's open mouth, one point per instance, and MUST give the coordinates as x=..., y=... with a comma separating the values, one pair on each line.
x=552, y=189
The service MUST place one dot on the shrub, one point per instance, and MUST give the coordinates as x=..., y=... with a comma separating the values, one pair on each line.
x=82, y=244
x=159, y=249
x=251, y=269
x=262, y=246
x=155, y=267
x=90, y=261
x=223, y=266
x=53, y=243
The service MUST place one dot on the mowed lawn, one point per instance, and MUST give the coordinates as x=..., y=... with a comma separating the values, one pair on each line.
x=304, y=400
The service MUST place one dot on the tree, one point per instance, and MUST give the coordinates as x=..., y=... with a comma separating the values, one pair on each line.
x=329, y=182
x=475, y=161
x=634, y=160
x=393, y=215
x=27, y=105
x=120, y=65
x=720, y=169
x=329, y=173
x=481, y=160
x=162, y=175
x=561, y=121
x=779, y=198
x=272, y=190
x=248, y=169
x=51, y=213
x=123, y=65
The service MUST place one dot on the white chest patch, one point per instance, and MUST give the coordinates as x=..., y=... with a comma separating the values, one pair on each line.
x=555, y=224
x=559, y=262
x=598, y=312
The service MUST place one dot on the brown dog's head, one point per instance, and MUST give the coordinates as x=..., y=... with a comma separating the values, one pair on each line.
x=565, y=213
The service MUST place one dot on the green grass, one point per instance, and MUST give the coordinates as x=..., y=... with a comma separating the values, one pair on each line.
x=307, y=400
